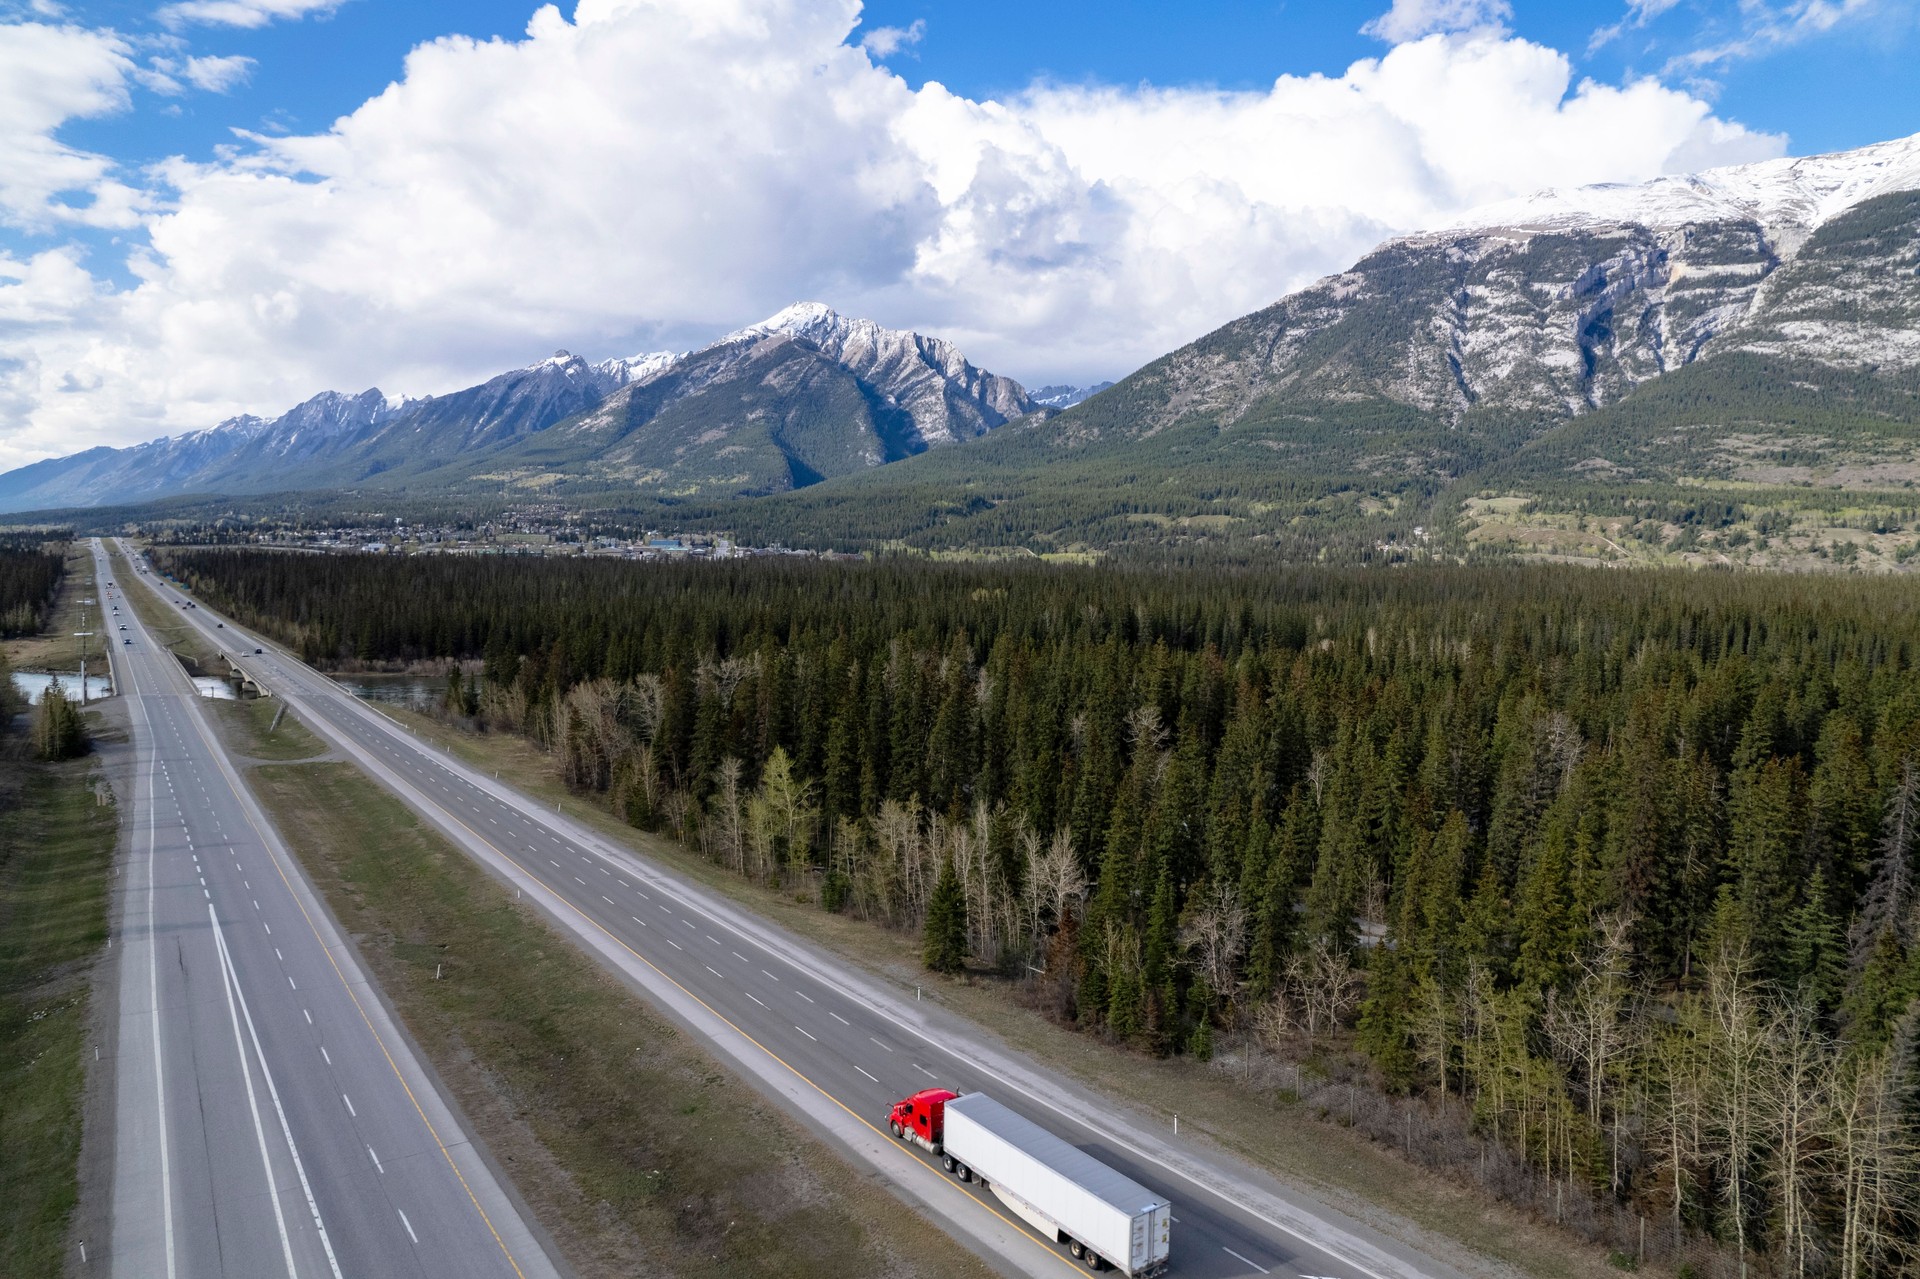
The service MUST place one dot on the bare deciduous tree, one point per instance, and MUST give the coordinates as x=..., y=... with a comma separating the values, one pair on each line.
x=1055, y=880
x=1214, y=933
x=1322, y=985
x=647, y=696
x=1876, y=1158
x=1436, y=1028
x=1734, y=1050
x=1793, y=1080
x=1590, y=1030
x=730, y=813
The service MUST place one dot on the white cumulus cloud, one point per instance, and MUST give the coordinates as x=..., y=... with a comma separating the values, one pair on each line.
x=49, y=75
x=1411, y=19
x=246, y=14
x=1766, y=27
x=656, y=172
x=884, y=42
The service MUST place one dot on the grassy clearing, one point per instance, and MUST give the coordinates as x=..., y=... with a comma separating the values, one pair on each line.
x=56, y=851
x=55, y=648
x=636, y=1151
x=248, y=726
x=1341, y=1167
x=1778, y=533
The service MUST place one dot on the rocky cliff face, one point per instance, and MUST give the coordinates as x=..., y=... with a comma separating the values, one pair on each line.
x=947, y=398
x=802, y=396
x=1547, y=308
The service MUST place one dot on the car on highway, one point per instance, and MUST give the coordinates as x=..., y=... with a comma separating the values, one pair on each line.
x=123, y=626
x=127, y=642
x=259, y=650
x=222, y=625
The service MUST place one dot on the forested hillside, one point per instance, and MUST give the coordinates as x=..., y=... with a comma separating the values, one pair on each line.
x=1622, y=861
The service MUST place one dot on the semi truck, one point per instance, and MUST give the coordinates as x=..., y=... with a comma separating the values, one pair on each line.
x=1103, y=1217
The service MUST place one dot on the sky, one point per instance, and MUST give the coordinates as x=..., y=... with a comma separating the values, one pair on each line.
x=215, y=207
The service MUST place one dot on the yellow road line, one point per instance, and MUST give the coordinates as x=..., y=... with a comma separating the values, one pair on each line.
x=723, y=1018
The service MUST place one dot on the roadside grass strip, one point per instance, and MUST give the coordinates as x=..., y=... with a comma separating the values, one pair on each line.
x=56, y=852
x=633, y=1148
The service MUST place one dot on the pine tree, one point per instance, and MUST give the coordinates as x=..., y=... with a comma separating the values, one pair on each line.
x=58, y=730
x=944, y=944
x=1544, y=918
x=1813, y=956
x=1384, y=1018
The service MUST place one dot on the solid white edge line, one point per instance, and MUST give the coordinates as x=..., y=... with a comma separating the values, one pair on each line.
x=286, y=1130
x=539, y=814
x=227, y=981
x=153, y=978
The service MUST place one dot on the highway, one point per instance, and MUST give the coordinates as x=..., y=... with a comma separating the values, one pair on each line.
x=832, y=1043
x=268, y=1117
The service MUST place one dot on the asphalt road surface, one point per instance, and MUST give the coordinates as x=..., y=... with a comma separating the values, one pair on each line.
x=836, y=1046
x=269, y=1120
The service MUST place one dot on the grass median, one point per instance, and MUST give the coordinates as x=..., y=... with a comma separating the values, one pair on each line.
x=636, y=1151
x=166, y=623
x=258, y=728
x=56, y=853
x=1340, y=1167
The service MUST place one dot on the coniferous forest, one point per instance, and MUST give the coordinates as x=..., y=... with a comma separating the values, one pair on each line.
x=1618, y=864
x=30, y=572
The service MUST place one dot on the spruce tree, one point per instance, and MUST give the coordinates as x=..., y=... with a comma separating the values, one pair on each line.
x=1814, y=953
x=944, y=944
x=58, y=730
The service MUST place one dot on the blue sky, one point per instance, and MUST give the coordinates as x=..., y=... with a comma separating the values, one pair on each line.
x=1846, y=87
x=1850, y=86
x=221, y=206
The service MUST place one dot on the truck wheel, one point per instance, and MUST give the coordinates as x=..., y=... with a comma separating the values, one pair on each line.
x=947, y=1162
x=898, y=1132
x=1093, y=1261
x=1077, y=1248
x=966, y=1173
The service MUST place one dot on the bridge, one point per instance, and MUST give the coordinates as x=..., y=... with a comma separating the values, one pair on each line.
x=248, y=681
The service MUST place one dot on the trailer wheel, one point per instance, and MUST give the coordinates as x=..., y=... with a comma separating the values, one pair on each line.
x=898, y=1132
x=965, y=1173
x=947, y=1162
x=1077, y=1248
x=1093, y=1261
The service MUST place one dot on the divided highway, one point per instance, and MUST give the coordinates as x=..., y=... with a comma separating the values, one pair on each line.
x=268, y=1119
x=834, y=1046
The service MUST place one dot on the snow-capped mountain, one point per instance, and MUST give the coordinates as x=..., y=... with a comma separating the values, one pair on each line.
x=805, y=394
x=947, y=398
x=1547, y=308
x=1787, y=198
x=331, y=438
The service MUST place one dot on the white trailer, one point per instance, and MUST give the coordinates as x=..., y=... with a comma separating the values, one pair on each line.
x=1104, y=1218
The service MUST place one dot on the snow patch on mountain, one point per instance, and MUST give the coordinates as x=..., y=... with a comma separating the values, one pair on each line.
x=1789, y=198
x=947, y=398
x=1064, y=396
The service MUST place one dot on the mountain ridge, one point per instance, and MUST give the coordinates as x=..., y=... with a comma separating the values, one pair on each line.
x=1677, y=345
x=919, y=391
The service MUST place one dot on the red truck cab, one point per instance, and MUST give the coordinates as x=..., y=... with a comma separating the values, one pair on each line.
x=921, y=1118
